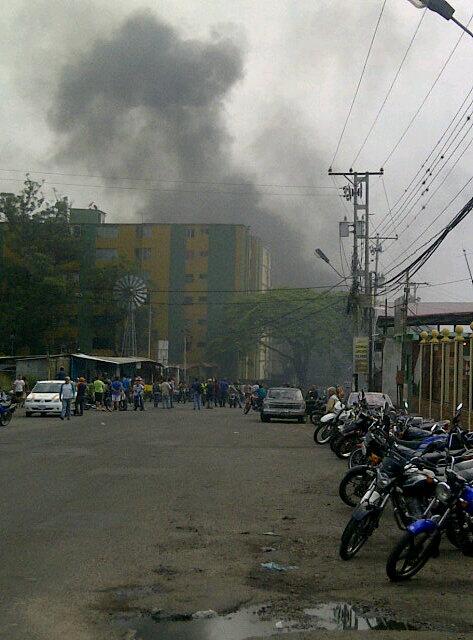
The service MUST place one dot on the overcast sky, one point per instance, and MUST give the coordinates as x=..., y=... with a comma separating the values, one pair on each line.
x=242, y=93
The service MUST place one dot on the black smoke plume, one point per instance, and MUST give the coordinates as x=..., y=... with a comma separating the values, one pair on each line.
x=147, y=103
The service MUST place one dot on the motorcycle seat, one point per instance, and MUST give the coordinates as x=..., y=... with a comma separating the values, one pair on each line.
x=412, y=445
x=466, y=464
x=467, y=474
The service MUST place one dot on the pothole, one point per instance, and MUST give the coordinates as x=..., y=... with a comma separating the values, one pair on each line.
x=258, y=621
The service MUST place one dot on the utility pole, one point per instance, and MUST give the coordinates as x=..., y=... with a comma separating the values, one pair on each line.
x=377, y=249
x=358, y=192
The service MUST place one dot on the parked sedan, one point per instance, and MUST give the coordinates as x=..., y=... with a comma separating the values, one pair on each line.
x=374, y=399
x=283, y=403
x=44, y=398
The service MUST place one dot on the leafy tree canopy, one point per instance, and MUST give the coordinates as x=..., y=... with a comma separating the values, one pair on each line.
x=299, y=326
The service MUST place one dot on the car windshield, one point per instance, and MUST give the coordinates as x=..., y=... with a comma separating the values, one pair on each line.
x=285, y=394
x=47, y=387
x=373, y=399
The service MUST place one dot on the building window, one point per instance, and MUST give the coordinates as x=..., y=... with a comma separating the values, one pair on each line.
x=189, y=277
x=202, y=321
x=190, y=233
x=143, y=231
x=189, y=255
x=201, y=344
x=204, y=254
x=187, y=299
x=202, y=276
x=77, y=231
x=107, y=231
x=142, y=253
x=202, y=298
x=106, y=254
x=204, y=231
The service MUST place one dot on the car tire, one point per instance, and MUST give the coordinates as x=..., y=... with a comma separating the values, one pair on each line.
x=28, y=414
x=265, y=418
x=301, y=420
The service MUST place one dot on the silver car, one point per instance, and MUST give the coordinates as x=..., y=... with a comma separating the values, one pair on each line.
x=284, y=403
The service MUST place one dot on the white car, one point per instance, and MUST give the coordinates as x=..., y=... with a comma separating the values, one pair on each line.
x=44, y=398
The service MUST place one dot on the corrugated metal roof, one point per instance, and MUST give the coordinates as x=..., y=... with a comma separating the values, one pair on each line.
x=112, y=359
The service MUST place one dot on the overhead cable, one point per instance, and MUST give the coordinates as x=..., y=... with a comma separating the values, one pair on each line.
x=373, y=38
x=421, y=106
x=391, y=87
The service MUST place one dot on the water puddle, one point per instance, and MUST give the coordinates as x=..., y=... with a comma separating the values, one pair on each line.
x=254, y=622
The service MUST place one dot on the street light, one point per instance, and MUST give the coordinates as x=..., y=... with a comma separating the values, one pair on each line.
x=319, y=253
x=442, y=8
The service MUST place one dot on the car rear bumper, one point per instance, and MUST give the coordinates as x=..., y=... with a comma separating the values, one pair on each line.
x=283, y=413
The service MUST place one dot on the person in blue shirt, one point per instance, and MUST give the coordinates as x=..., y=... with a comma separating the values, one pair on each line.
x=117, y=388
x=261, y=393
x=223, y=393
x=197, y=394
x=126, y=383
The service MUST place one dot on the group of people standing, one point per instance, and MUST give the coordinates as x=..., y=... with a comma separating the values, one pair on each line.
x=209, y=393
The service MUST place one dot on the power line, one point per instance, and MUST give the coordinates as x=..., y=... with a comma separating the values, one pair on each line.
x=359, y=83
x=414, y=117
x=444, y=179
x=427, y=159
x=194, y=191
x=370, y=131
x=414, y=267
x=429, y=226
x=239, y=291
x=165, y=180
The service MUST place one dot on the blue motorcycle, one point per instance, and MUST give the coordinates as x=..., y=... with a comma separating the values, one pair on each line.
x=450, y=512
x=6, y=413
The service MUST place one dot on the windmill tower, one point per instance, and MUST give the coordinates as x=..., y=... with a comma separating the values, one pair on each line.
x=130, y=292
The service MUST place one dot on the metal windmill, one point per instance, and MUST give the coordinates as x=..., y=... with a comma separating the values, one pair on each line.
x=130, y=292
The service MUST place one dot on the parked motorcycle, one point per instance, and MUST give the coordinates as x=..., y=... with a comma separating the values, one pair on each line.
x=6, y=413
x=450, y=512
x=409, y=488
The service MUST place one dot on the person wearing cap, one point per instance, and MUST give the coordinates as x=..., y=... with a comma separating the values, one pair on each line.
x=66, y=395
x=80, y=397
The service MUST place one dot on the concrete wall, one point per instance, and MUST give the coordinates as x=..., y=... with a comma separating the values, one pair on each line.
x=391, y=363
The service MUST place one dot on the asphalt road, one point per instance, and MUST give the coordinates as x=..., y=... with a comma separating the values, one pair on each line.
x=118, y=516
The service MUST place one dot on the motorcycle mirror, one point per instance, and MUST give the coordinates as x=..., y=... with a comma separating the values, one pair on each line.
x=406, y=404
x=460, y=406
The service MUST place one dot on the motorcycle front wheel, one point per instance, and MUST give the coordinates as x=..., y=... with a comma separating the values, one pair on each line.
x=355, y=535
x=460, y=533
x=344, y=447
x=5, y=419
x=411, y=554
x=356, y=458
x=354, y=485
x=322, y=433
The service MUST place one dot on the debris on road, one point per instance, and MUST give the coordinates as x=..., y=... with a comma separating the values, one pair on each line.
x=271, y=533
x=268, y=549
x=275, y=566
x=204, y=615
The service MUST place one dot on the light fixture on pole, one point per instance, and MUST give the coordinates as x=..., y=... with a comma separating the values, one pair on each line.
x=320, y=254
x=443, y=8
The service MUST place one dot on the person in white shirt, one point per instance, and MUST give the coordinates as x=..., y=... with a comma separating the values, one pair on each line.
x=19, y=389
x=166, y=394
x=66, y=395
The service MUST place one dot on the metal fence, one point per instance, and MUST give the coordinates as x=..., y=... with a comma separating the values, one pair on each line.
x=442, y=374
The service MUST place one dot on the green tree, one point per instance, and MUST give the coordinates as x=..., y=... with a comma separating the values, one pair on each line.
x=40, y=287
x=298, y=325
